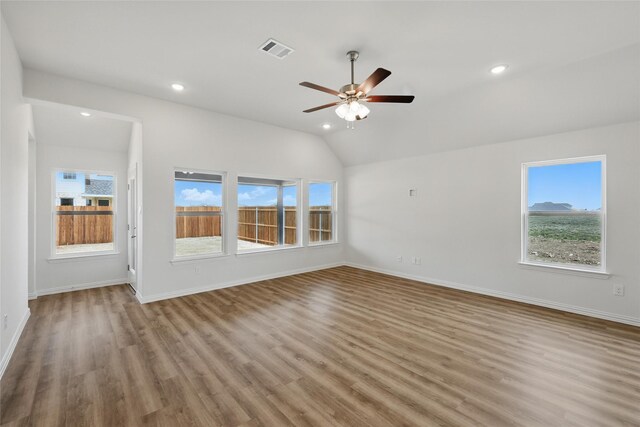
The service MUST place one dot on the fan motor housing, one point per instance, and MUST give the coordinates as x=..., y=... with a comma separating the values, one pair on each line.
x=350, y=89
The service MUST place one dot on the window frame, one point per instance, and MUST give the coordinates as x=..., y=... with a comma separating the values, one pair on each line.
x=300, y=224
x=524, y=215
x=114, y=209
x=223, y=221
x=334, y=212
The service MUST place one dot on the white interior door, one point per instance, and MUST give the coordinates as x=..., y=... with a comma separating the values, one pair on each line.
x=132, y=227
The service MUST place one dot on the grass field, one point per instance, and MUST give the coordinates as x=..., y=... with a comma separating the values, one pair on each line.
x=572, y=238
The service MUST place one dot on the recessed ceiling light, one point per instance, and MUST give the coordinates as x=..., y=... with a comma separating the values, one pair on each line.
x=177, y=87
x=85, y=114
x=326, y=126
x=499, y=69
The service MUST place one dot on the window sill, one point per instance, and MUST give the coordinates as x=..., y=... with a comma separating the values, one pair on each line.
x=83, y=257
x=565, y=270
x=188, y=259
x=267, y=250
x=322, y=244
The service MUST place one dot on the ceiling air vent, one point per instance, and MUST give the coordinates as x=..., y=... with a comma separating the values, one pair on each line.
x=275, y=48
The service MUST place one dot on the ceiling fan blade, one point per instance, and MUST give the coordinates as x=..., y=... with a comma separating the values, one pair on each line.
x=322, y=89
x=373, y=80
x=402, y=99
x=311, y=110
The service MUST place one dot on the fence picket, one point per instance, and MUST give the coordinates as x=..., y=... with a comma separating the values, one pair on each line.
x=88, y=229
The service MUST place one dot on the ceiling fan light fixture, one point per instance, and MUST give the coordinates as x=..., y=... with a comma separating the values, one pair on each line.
x=352, y=111
x=363, y=111
x=350, y=116
x=352, y=96
x=342, y=110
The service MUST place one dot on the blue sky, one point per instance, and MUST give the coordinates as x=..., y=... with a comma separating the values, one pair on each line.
x=320, y=194
x=579, y=184
x=264, y=195
x=194, y=193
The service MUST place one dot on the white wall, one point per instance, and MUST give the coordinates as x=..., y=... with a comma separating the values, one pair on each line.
x=14, y=137
x=65, y=274
x=32, y=169
x=180, y=136
x=465, y=222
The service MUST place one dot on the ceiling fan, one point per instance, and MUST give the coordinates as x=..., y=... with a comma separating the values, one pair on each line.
x=353, y=96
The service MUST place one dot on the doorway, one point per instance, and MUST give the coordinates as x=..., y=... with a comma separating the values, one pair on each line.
x=132, y=227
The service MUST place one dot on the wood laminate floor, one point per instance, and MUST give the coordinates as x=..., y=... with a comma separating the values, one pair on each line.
x=334, y=347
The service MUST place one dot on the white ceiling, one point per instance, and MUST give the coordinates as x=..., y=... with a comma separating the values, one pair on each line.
x=438, y=51
x=64, y=126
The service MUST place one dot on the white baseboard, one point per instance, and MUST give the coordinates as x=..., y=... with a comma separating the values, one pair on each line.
x=78, y=287
x=438, y=282
x=32, y=295
x=14, y=342
x=628, y=320
x=213, y=287
x=139, y=297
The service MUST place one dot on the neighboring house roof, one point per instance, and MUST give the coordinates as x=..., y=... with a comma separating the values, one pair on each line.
x=99, y=187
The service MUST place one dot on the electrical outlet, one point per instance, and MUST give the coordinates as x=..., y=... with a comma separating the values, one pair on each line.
x=5, y=321
x=197, y=269
x=618, y=290
x=399, y=258
x=413, y=192
x=416, y=260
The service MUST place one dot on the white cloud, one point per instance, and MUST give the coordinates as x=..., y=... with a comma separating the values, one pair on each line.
x=204, y=198
x=244, y=197
x=248, y=196
x=286, y=200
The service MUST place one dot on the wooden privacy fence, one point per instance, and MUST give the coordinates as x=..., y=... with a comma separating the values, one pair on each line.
x=259, y=224
x=320, y=223
x=76, y=225
x=198, y=221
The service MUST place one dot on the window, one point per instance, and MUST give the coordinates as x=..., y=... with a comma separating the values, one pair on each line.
x=564, y=213
x=321, y=212
x=103, y=202
x=267, y=213
x=80, y=227
x=199, y=213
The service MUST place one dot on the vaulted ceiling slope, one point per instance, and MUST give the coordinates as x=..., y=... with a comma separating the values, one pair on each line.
x=572, y=64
